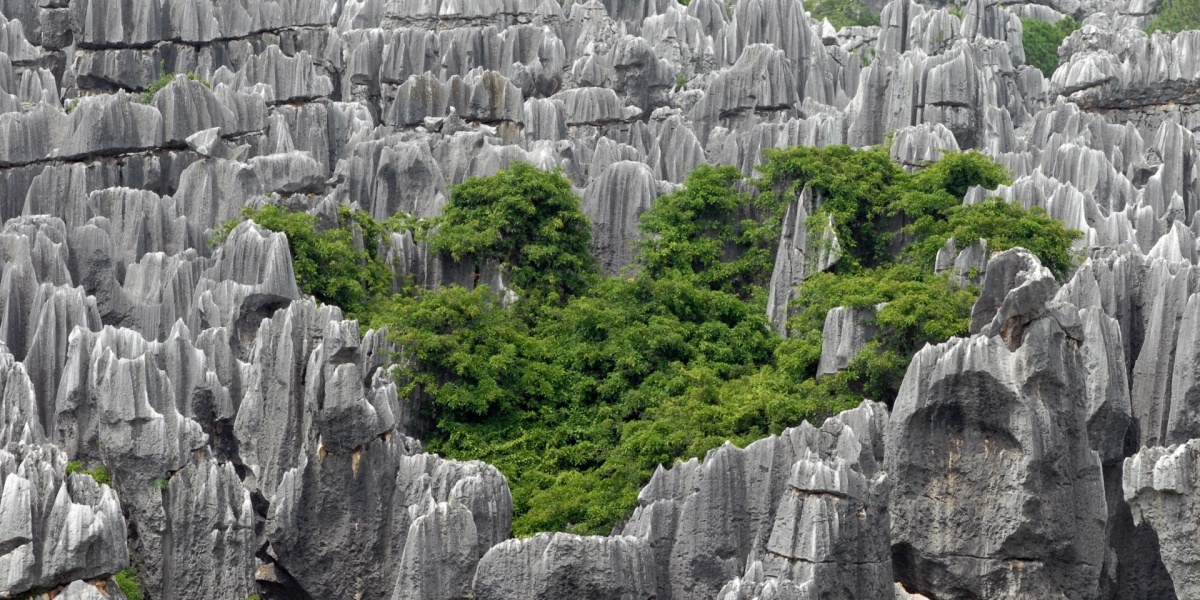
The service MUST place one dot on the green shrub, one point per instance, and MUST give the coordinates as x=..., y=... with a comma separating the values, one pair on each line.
x=1175, y=16
x=130, y=584
x=167, y=77
x=1041, y=41
x=97, y=472
x=580, y=388
x=844, y=13
x=1005, y=225
x=694, y=233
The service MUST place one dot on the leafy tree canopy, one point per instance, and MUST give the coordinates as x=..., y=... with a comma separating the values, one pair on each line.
x=579, y=389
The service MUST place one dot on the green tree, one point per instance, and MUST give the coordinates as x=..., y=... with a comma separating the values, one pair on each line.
x=1175, y=16
x=695, y=233
x=1041, y=40
x=526, y=219
x=844, y=13
x=1004, y=225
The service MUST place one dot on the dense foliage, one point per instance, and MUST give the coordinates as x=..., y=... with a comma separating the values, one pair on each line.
x=526, y=219
x=583, y=385
x=844, y=13
x=1176, y=15
x=1041, y=40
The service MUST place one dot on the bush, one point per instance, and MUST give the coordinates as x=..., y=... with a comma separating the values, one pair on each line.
x=167, y=77
x=1004, y=225
x=844, y=13
x=130, y=584
x=1175, y=16
x=97, y=472
x=693, y=233
x=526, y=219
x=582, y=386
x=1041, y=41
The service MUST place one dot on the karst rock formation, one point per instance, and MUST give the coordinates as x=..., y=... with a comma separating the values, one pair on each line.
x=256, y=440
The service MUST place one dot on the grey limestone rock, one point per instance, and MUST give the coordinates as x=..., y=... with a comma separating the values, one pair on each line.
x=1028, y=518
x=55, y=527
x=561, y=565
x=211, y=529
x=188, y=106
x=846, y=332
x=614, y=202
x=1159, y=485
x=771, y=502
x=111, y=124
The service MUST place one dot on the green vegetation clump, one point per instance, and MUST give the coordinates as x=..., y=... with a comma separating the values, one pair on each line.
x=844, y=13
x=526, y=219
x=1175, y=16
x=1041, y=41
x=583, y=385
x=97, y=472
x=167, y=77
x=130, y=584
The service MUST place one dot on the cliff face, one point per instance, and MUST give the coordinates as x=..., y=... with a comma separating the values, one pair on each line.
x=255, y=439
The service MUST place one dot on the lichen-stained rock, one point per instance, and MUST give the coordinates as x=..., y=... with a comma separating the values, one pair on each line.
x=439, y=555
x=797, y=257
x=613, y=203
x=117, y=23
x=54, y=527
x=1015, y=291
x=1160, y=487
x=923, y=144
x=762, y=80
x=211, y=524
x=289, y=172
x=204, y=187
x=997, y=489
x=561, y=565
x=486, y=97
x=26, y=137
x=110, y=124
x=784, y=25
x=59, y=310
x=389, y=176
x=19, y=419
x=594, y=106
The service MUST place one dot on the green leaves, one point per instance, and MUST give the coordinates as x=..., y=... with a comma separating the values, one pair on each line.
x=1041, y=41
x=582, y=386
x=1004, y=225
x=525, y=219
x=693, y=233
x=1176, y=15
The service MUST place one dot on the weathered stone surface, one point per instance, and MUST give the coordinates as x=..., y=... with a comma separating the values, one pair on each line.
x=1160, y=487
x=996, y=427
x=55, y=527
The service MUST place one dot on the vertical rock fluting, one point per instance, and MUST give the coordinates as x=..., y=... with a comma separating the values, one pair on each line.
x=255, y=439
x=998, y=492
